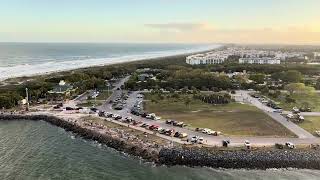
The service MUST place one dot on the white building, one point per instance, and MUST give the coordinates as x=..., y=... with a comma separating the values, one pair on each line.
x=316, y=54
x=263, y=60
x=208, y=58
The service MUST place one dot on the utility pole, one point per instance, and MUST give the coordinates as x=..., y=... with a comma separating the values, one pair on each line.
x=27, y=99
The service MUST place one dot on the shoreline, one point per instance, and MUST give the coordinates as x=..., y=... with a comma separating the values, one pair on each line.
x=107, y=62
x=184, y=155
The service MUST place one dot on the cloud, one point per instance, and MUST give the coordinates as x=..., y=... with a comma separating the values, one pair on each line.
x=181, y=27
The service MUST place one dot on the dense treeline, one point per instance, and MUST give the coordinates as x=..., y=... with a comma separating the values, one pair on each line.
x=177, y=77
x=266, y=69
x=216, y=98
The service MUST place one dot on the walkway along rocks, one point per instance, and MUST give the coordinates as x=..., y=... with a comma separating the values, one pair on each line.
x=255, y=159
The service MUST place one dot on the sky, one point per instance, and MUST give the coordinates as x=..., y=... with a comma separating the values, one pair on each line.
x=161, y=21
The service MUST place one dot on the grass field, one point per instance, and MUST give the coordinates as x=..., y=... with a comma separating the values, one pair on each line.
x=311, y=124
x=312, y=99
x=232, y=119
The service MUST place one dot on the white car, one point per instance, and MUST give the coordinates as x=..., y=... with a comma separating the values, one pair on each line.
x=157, y=118
x=247, y=144
x=200, y=140
x=194, y=139
x=290, y=145
x=290, y=116
x=301, y=118
x=151, y=116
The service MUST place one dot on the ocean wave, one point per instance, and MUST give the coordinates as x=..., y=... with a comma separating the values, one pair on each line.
x=53, y=66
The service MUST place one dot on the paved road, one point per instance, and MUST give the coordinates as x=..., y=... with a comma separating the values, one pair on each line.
x=310, y=113
x=300, y=132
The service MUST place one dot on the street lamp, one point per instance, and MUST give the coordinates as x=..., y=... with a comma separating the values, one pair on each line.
x=27, y=99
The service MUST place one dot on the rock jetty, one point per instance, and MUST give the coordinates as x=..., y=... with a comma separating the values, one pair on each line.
x=255, y=159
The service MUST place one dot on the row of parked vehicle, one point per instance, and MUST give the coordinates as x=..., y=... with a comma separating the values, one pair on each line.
x=175, y=123
x=120, y=101
x=268, y=102
x=168, y=132
x=295, y=115
x=208, y=131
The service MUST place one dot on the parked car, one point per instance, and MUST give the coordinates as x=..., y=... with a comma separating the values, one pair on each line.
x=180, y=124
x=278, y=111
x=161, y=131
x=201, y=140
x=216, y=133
x=108, y=114
x=168, y=121
x=177, y=134
x=290, y=116
x=225, y=143
x=290, y=145
x=295, y=110
x=150, y=116
x=144, y=125
x=207, y=131
x=136, y=122
x=247, y=144
x=169, y=132
x=153, y=127
x=194, y=139
x=183, y=135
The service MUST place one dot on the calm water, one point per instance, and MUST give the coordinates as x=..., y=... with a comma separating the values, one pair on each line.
x=23, y=59
x=37, y=150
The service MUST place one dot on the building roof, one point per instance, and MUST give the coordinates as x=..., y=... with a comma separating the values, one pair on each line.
x=61, y=88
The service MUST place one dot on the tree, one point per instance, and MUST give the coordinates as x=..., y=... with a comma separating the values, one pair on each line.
x=298, y=88
x=292, y=76
x=258, y=78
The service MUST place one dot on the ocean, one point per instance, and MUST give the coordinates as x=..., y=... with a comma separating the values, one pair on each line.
x=32, y=150
x=25, y=59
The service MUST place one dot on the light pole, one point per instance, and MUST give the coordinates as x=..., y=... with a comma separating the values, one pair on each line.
x=27, y=99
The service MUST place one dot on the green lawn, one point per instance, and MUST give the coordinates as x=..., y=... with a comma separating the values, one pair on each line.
x=311, y=124
x=232, y=119
x=312, y=99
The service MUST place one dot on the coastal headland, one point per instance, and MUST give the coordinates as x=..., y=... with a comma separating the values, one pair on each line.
x=184, y=155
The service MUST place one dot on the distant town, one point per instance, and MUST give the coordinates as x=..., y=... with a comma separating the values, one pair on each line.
x=247, y=56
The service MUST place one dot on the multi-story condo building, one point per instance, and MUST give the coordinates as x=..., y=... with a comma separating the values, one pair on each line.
x=207, y=58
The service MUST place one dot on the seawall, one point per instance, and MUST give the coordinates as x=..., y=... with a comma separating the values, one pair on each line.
x=238, y=159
